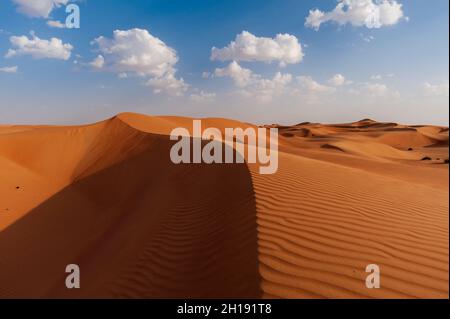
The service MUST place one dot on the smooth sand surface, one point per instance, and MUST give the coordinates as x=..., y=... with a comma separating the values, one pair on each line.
x=107, y=197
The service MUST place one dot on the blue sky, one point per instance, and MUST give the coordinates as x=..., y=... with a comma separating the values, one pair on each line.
x=343, y=70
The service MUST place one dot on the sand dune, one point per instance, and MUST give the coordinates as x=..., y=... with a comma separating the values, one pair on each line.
x=320, y=225
x=107, y=197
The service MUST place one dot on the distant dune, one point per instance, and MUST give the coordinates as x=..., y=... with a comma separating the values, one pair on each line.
x=107, y=197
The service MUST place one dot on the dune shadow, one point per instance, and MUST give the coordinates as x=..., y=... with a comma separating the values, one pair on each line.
x=141, y=228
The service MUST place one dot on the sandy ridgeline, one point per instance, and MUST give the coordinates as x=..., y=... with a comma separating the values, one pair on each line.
x=108, y=198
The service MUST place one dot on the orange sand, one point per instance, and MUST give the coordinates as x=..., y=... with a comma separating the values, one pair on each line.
x=107, y=197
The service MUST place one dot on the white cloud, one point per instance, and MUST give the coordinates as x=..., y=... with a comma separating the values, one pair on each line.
x=56, y=24
x=265, y=89
x=168, y=84
x=308, y=85
x=368, y=13
x=436, y=89
x=202, y=97
x=241, y=76
x=38, y=8
x=9, y=69
x=337, y=80
x=39, y=48
x=98, y=62
x=253, y=85
x=138, y=52
x=284, y=48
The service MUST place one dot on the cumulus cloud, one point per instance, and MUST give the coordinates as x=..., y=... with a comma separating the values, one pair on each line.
x=241, y=76
x=98, y=62
x=436, y=89
x=9, y=69
x=368, y=13
x=265, y=89
x=136, y=51
x=284, y=48
x=254, y=85
x=38, y=8
x=168, y=84
x=308, y=85
x=39, y=48
x=337, y=80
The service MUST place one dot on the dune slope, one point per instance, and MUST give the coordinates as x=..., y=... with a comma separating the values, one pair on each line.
x=320, y=225
x=107, y=197
x=136, y=224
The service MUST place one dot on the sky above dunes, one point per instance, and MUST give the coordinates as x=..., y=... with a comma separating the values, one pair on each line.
x=283, y=61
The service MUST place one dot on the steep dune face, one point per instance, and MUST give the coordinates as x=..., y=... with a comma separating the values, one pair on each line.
x=107, y=197
x=136, y=224
x=41, y=161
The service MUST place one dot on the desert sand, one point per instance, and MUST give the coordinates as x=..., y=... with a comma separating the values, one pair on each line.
x=107, y=197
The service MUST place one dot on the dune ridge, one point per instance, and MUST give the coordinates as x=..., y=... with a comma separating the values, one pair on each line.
x=107, y=197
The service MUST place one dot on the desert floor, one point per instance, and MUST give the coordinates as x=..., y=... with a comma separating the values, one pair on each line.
x=108, y=198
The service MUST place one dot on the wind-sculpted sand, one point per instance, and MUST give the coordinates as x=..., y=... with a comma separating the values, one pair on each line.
x=108, y=198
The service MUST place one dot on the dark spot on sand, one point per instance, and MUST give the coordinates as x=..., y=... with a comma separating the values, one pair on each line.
x=426, y=158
